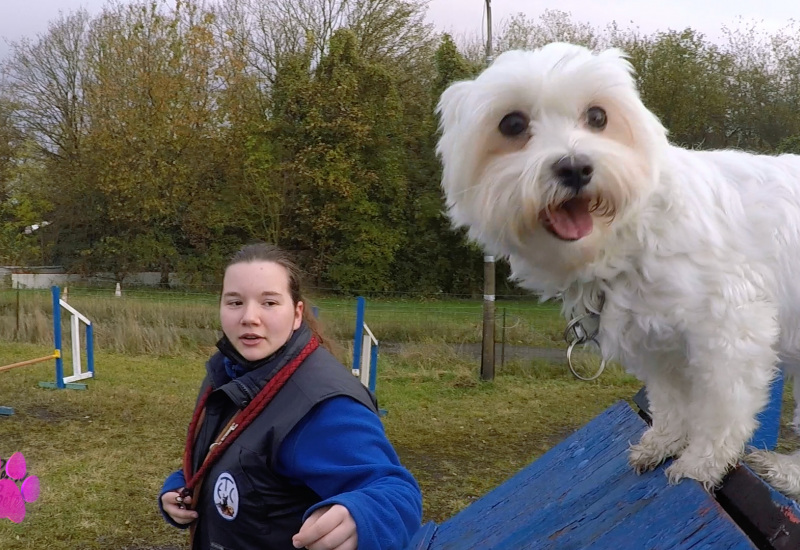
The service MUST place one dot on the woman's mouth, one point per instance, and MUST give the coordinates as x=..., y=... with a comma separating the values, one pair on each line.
x=250, y=339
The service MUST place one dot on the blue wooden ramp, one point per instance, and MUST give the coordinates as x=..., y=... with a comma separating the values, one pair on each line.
x=582, y=494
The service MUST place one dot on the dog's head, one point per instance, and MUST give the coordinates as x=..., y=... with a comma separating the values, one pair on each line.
x=544, y=152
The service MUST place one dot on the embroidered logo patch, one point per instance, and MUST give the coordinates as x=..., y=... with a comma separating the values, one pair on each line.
x=226, y=496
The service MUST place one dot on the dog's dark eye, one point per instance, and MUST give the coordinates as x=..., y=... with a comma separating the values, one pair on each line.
x=513, y=124
x=596, y=117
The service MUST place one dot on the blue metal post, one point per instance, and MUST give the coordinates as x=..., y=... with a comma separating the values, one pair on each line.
x=766, y=436
x=57, y=337
x=90, y=348
x=373, y=375
x=361, y=305
x=373, y=368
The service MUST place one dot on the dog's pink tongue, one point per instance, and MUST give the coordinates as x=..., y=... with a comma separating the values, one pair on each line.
x=572, y=221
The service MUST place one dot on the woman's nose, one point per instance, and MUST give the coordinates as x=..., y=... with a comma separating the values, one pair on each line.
x=250, y=314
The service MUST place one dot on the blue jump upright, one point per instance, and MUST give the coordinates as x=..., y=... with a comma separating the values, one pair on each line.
x=583, y=495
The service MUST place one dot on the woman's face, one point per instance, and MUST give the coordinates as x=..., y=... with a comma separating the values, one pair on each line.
x=256, y=311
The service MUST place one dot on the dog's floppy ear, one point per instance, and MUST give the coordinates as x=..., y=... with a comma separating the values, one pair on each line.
x=451, y=103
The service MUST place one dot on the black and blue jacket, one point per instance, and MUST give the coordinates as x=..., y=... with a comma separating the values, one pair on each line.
x=318, y=442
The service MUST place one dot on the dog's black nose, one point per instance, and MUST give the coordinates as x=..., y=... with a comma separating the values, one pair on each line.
x=574, y=172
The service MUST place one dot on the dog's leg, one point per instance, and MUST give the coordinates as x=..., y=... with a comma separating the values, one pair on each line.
x=667, y=394
x=780, y=471
x=731, y=366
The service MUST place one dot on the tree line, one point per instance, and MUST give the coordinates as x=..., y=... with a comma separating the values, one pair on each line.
x=160, y=136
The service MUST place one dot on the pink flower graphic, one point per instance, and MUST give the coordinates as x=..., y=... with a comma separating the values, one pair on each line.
x=12, y=496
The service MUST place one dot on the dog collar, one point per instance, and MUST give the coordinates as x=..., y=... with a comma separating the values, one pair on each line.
x=583, y=330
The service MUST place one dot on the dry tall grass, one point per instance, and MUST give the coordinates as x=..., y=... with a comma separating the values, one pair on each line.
x=167, y=323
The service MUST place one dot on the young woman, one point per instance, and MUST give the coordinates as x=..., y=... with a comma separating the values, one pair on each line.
x=285, y=448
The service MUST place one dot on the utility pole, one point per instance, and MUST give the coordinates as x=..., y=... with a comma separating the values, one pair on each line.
x=489, y=57
x=487, y=348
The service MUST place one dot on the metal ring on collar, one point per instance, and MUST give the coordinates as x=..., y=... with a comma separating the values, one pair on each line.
x=572, y=368
x=573, y=328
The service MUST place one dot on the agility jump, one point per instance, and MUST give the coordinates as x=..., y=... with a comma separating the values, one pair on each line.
x=365, y=349
x=76, y=318
x=61, y=381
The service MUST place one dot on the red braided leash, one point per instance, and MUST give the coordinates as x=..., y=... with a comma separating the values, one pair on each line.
x=244, y=418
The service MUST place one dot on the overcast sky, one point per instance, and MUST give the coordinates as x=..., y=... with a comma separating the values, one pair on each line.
x=708, y=16
x=27, y=18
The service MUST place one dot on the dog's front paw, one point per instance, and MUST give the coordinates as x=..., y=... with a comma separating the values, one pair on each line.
x=706, y=471
x=653, y=449
x=644, y=458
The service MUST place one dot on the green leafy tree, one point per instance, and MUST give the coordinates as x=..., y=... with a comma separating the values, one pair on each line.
x=683, y=79
x=25, y=238
x=10, y=143
x=336, y=133
x=789, y=145
x=44, y=82
x=273, y=52
x=763, y=87
x=437, y=258
x=152, y=135
x=255, y=193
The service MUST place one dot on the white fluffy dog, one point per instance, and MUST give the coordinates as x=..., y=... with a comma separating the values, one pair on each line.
x=692, y=259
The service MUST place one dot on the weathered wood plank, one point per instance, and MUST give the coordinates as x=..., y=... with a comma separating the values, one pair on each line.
x=582, y=494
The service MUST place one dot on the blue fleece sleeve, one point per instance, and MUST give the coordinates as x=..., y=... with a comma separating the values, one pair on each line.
x=174, y=481
x=341, y=452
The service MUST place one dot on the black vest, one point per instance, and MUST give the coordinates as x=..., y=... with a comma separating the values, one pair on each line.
x=243, y=503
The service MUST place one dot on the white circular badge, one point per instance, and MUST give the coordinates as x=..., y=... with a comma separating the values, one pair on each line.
x=226, y=496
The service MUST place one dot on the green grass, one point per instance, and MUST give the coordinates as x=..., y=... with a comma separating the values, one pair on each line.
x=102, y=454
x=99, y=453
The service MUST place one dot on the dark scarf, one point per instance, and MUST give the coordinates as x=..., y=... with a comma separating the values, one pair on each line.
x=236, y=365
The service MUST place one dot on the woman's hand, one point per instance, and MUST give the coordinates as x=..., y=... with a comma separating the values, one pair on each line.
x=328, y=528
x=176, y=507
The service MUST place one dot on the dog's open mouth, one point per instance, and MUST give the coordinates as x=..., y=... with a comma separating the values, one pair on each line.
x=569, y=221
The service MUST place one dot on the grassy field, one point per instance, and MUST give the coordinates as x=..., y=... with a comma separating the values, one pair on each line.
x=102, y=454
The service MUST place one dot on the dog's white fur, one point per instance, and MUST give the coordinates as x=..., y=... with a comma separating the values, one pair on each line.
x=694, y=257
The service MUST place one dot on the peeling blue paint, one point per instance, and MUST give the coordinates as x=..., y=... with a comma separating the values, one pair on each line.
x=583, y=495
